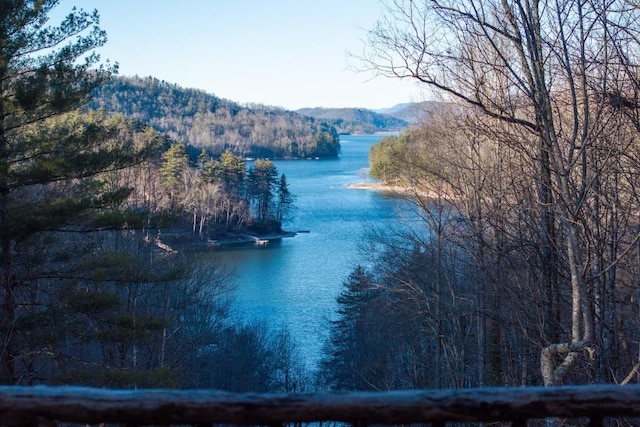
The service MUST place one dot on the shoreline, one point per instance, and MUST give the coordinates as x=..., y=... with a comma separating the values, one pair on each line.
x=381, y=186
x=220, y=242
x=398, y=190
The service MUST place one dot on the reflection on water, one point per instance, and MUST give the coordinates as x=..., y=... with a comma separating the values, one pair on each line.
x=294, y=283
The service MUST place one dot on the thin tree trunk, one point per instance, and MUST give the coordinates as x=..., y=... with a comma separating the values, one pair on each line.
x=7, y=355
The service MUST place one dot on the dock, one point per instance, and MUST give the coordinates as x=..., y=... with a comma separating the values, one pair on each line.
x=243, y=239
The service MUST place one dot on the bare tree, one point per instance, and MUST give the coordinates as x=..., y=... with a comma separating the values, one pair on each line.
x=547, y=71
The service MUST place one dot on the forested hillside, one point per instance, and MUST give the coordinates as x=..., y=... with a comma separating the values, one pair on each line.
x=356, y=120
x=205, y=121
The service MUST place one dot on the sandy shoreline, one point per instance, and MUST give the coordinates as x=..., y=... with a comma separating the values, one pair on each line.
x=377, y=186
x=399, y=190
x=380, y=186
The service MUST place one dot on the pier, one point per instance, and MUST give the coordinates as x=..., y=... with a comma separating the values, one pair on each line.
x=244, y=239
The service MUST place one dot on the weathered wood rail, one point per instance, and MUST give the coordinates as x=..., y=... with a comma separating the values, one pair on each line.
x=46, y=405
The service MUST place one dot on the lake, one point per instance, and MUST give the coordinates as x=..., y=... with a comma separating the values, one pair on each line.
x=294, y=283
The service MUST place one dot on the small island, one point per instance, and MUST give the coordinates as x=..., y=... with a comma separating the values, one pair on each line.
x=219, y=202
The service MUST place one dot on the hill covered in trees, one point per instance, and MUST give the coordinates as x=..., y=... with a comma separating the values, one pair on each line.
x=205, y=121
x=356, y=120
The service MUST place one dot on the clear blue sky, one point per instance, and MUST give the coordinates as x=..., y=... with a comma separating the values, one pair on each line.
x=287, y=53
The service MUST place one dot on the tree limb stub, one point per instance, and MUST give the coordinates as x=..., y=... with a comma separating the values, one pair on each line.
x=89, y=405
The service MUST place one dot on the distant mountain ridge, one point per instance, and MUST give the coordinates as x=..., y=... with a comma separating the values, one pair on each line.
x=391, y=110
x=412, y=112
x=362, y=120
x=356, y=120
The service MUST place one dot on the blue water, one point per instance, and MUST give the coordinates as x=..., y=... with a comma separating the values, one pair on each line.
x=294, y=284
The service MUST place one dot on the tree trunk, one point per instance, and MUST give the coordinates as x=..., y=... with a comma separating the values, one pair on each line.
x=7, y=375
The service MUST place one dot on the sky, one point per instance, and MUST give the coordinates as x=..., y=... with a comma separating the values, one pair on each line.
x=285, y=53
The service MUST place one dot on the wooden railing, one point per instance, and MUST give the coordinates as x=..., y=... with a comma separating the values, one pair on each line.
x=47, y=405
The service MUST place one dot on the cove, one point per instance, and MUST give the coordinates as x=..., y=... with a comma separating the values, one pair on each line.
x=293, y=283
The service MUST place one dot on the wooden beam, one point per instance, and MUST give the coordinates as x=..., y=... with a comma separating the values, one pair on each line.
x=29, y=405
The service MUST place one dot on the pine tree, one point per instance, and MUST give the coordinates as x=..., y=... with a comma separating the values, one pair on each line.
x=227, y=175
x=347, y=353
x=48, y=154
x=262, y=179
x=285, y=198
x=175, y=163
x=233, y=173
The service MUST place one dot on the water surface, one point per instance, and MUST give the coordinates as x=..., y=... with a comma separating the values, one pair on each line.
x=294, y=284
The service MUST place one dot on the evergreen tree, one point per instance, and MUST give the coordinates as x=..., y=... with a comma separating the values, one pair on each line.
x=262, y=179
x=175, y=163
x=228, y=174
x=47, y=156
x=385, y=160
x=347, y=361
x=326, y=142
x=233, y=173
x=285, y=198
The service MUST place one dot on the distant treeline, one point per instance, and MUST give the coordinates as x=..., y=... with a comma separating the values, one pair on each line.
x=205, y=121
x=356, y=120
